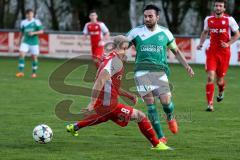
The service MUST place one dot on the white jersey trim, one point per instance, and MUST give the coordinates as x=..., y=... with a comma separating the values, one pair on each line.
x=26, y=22
x=113, y=66
x=233, y=24
x=144, y=33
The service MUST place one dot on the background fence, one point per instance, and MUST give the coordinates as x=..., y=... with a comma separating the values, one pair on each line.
x=71, y=44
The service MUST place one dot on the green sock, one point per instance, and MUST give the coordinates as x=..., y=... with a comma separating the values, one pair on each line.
x=155, y=121
x=168, y=109
x=21, y=64
x=34, y=66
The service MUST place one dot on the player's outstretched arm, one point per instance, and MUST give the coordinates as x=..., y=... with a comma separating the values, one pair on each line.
x=175, y=50
x=98, y=85
x=128, y=95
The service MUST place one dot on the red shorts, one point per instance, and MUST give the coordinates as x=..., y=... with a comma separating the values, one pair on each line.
x=97, y=51
x=217, y=61
x=120, y=114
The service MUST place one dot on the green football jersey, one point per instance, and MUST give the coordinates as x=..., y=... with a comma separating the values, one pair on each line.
x=30, y=26
x=151, y=47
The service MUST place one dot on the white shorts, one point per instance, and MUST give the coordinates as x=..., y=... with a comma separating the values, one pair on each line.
x=155, y=82
x=32, y=49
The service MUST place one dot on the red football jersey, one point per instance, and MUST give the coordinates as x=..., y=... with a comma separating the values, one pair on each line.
x=220, y=29
x=96, y=31
x=114, y=66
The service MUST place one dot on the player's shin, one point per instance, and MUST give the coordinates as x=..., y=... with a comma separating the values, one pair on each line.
x=89, y=121
x=21, y=64
x=221, y=87
x=34, y=66
x=210, y=93
x=147, y=130
x=155, y=120
x=168, y=109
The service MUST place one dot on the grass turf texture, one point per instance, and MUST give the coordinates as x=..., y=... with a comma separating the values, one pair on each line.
x=27, y=102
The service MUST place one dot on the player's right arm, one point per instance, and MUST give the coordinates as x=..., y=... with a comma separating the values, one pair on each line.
x=128, y=95
x=21, y=33
x=204, y=34
x=85, y=31
x=103, y=76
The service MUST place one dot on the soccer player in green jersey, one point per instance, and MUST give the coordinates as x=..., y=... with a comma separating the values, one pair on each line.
x=151, y=73
x=30, y=29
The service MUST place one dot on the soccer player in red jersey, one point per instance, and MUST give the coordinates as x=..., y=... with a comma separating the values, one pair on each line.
x=220, y=26
x=98, y=32
x=104, y=104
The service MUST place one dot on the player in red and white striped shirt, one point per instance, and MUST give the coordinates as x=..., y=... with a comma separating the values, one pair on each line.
x=98, y=32
x=104, y=104
x=218, y=54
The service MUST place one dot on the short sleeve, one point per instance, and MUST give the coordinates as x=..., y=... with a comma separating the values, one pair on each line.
x=113, y=66
x=85, y=30
x=21, y=27
x=39, y=24
x=130, y=35
x=205, y=27
x=169, y=36
x=233, y=24
x=104, y=28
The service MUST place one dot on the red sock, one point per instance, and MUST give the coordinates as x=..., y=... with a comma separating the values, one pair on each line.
x=147, y=130
x=221, y=87
x=90, y=121
x=210, y=93
x=97, y=64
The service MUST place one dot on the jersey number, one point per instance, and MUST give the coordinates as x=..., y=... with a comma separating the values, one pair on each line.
x=124, y=110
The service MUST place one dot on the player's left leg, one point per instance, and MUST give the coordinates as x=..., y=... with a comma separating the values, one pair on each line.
x=97, y=54
x=146, y=129
x=34, y=66
x=90, y=120
x=24, y=48
x=34, y=50
x=221, y=87
x=221, y=72
x=21, y=65
x=210, y=90
x=143, y=80
x=96, y=58
x=168, y=108
x=97, y=61
x=123, y=114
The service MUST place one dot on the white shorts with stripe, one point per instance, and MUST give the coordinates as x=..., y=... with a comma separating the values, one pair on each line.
x=32, y=49
x=155, y=82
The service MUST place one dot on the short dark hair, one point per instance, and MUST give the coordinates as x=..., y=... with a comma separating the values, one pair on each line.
x=28, y=10
x=92, y=11
x=221, y=1
x=152, y=7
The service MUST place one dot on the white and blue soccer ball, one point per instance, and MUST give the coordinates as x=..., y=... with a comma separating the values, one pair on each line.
x=42, y=134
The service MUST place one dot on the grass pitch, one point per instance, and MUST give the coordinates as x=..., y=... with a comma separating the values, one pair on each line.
x=27, y=102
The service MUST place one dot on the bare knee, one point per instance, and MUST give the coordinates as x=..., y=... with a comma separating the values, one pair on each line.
x=211, y=77
x=165, y=99
x=137, y=115
x=34, y=57
x=220, y=81
x=21, y=55
x=149, y=99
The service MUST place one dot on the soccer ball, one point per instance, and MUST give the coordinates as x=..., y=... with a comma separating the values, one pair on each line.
x=42, y=134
